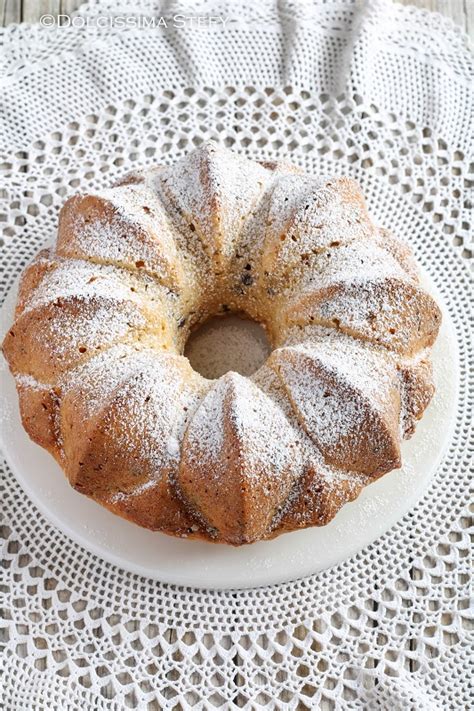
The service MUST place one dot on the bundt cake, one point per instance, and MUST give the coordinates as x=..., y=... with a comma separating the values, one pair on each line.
x=102, y=319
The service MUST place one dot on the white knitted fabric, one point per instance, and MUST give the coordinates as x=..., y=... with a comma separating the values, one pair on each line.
x=371, y=89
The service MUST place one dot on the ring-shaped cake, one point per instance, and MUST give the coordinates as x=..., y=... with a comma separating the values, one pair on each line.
x=103, y=318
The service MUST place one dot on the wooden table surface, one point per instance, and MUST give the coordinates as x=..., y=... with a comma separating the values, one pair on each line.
x=460, y=11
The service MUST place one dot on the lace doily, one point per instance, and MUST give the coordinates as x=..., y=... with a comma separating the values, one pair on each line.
x=373, y=90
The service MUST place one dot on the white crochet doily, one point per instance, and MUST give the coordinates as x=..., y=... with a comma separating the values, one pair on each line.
x=375, y=90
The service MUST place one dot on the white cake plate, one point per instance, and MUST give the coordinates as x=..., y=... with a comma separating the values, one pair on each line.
x=207, y=565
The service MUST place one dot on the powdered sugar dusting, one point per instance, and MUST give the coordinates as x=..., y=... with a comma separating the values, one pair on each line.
x=369, y=370
x=330, y=414
x=88, y=306
x=96, y=325
x=340, y=392
x=309, y=214
x=240, y=454
x=72, y=278
x=364, y=290
x=132, y=230
x=236, y=408
x=147, y=398
x=316, y=210
x=215, y=190
x=356, y=261
x=27, y=381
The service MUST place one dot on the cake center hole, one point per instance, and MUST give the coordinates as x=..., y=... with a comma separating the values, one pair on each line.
x=226, y=343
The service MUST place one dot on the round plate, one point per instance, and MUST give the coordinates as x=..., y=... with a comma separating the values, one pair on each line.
x=208, y=565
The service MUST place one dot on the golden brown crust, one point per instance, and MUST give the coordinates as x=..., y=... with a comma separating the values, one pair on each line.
x=44, y=353
x=35, y=272
x=158, y=509
x=325, y=214
x=368, y=441
x=125, y=228
x=398, y=250
x=316, y=501
x=417, y=391
x=281, y=166
x=234, y=481
x=389, y=311
x=39, y=410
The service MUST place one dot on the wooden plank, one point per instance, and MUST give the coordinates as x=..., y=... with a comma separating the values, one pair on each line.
x=10, y=11
x=460, y=11
x=32, y=11
x=469, y=10
x=69, y=6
